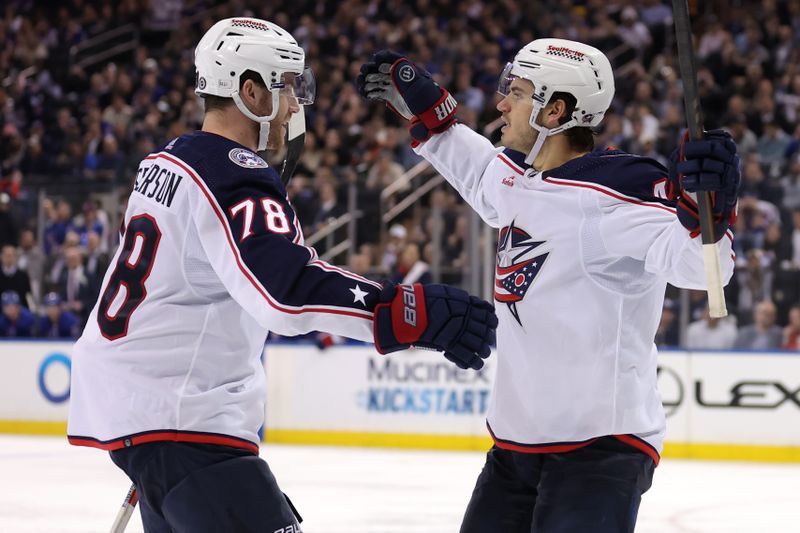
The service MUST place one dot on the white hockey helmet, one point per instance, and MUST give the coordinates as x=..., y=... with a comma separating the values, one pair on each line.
x=559, y=65
x=233, y=46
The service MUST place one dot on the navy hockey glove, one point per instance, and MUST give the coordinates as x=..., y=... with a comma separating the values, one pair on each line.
x=709, y=164
x=435, y=316
x=408, y=90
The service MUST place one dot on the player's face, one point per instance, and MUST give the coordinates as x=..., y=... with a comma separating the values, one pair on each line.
x=516, y=108
x=277, y=131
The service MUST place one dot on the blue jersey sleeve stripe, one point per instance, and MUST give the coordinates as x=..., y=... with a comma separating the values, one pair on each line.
x=367, y=315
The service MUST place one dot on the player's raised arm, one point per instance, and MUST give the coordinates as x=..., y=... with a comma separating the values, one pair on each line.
x=458, y=153
x=710, y=164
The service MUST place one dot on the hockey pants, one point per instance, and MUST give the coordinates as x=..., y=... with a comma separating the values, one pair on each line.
x=204, y=488
x=594, y=489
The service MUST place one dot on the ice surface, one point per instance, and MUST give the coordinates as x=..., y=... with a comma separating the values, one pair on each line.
x=48, y=486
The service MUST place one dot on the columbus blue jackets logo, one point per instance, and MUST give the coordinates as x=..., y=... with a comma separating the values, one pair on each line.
x=246, y=158
x=518, y=263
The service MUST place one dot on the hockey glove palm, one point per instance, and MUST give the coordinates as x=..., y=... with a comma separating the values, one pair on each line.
x=706, y=165
x=435, y=316
x=408, y=90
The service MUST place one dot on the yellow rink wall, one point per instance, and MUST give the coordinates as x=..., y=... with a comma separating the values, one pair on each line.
x=720, y=406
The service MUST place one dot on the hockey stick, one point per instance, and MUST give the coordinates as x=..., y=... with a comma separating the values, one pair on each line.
x=295, y=141
x=125, y=512
x=694, y=120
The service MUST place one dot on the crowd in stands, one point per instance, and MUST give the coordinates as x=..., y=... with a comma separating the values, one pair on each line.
x=65, y=122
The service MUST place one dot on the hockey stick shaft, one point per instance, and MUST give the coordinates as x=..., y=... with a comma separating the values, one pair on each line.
x=694, y=121
x=125, y=512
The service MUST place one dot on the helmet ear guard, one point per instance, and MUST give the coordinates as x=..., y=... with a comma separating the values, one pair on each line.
x=562, y=66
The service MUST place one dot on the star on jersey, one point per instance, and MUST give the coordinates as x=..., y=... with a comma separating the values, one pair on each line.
x=358, y=294
x=516, y=267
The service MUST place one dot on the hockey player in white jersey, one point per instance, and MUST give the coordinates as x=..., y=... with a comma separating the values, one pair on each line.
x=588, y=241
x=167, y=374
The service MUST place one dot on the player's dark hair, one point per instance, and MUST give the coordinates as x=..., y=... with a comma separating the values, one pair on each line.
x=219, y=103
x=580, y=139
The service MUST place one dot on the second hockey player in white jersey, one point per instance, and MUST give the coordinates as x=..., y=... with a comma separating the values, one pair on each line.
x=588, y=241
x=167, y=374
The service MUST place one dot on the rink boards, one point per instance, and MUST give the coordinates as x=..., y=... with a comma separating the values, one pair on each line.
x=720, y=405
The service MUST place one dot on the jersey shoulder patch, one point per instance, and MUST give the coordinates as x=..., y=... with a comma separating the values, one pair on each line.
x=224, y=164
x=247, y=159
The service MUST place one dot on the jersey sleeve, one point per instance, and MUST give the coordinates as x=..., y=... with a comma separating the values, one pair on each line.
x=470, y=163
x=651, y=232
x=255, y=245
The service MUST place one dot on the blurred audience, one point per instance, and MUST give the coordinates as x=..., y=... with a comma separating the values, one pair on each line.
x=16, y=320
x=55, y=322
x=711, y=333
x=81, y=127
x=12, y=278
x=763, y=333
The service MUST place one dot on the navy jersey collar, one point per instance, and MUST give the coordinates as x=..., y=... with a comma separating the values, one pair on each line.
x=518, y=158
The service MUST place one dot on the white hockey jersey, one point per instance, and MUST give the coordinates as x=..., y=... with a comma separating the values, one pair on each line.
x=211, y=260
x=585, y=252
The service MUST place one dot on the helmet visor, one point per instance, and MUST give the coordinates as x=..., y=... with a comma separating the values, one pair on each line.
x=303, y=86
x=504, y=85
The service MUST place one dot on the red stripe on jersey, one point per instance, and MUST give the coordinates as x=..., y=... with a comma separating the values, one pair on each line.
x=256, y=284
x=583, y=185
x=641, y=445
x=537, y=448
x=630, y=440
x=511, y=164
x=160, y=436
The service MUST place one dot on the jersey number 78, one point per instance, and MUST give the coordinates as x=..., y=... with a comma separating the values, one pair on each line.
x=126, y=288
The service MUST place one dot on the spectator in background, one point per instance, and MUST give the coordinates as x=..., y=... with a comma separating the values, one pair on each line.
x=12, y=278
x=303, y=199
x=410, y=268
x=8, y=227
x=31, y=260
x=791, y=185
x=791, y=333
x=668, y=333
x=711, y=333
x=56, y=262
x=763, y=334
x=111, y=161
x=73, y=286
x=95, y=265
x=329, y=207
x=55, y=322
x=754, y=280
x=772, y=146
x=397, y=241
x=15, y=320
x=89, y=222
x=384, y=171
x=60, y=222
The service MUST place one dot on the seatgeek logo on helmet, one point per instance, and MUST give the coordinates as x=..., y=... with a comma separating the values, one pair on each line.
x=568, y=53
x=250, y=23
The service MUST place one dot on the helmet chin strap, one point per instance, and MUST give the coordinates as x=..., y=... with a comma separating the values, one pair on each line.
x=544, y=133
x=263, y=122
